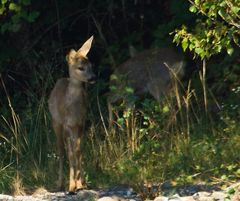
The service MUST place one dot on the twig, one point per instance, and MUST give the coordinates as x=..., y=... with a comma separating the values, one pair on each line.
x=104, y=40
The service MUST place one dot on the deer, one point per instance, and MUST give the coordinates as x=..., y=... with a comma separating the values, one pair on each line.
x=68, y=104
x=152, y=71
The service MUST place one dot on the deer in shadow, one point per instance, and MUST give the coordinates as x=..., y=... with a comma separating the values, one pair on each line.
x=152, y=71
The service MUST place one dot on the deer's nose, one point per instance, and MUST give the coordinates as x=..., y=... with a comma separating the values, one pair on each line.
x=93, y=79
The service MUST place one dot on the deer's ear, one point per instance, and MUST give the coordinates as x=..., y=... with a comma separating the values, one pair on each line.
x=70, y=56
x=83, y=51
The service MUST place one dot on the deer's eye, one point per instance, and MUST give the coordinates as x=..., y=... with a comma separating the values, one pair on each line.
x=81, y=68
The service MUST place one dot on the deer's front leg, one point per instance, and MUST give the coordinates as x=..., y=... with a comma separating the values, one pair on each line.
x=79, y=177
x=72, y=133
x=74, y=154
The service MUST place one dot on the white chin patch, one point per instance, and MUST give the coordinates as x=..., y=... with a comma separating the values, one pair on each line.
x=92, y=82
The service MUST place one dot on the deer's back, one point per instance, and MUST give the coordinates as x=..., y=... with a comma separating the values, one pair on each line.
x=68, y=103
x=149, y=70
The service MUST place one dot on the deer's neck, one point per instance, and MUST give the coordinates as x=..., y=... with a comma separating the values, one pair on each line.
x=76, y=87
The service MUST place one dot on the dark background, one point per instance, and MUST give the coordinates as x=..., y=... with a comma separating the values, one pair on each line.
x=61, y=25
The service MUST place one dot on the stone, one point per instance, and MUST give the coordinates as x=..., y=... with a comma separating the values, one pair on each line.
x=113, y=198
x=5, y=197
x=106, y=199
x=87, y=195
x=187, y=198
x=236, y=197
x=218, y=195
x=204, y=198
x=161, y=198
x=175, y=197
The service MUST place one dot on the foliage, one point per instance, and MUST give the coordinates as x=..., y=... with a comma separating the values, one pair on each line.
x=14, y=13
x=216, y=30
x=149, y=146
x=151, y=141
x=170, y=140
x=14, y=18
x=179, y=12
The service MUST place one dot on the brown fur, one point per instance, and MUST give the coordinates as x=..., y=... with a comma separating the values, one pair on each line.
x=151, y=71
x=68, y=107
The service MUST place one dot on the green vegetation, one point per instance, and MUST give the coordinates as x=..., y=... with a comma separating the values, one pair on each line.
x=191, y=136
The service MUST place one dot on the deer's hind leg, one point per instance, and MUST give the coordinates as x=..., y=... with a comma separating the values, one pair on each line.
x=58, y=129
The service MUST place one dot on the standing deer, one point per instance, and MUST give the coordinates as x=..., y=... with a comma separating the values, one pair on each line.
x=68, y=107
x=149, y=72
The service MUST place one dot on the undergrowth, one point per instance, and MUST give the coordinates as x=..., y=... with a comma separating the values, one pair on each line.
x=150, y=142
x=168, y=141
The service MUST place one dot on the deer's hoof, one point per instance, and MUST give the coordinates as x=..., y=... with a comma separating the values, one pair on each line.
x=71, y=193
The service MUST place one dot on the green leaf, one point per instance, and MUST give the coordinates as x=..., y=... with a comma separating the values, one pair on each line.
x=224, y=177
x=165, y=109
x=191, y=47
x=129, y=90
x=120, y=121
x=238, y=172
x=198, y=50
x=113, y=88
x=197, y=2
x=185, y=44
x=235, y=9
x=189, y=179
x=15, y=7
x=223, y=4
x=176, y=38
x=230, y=50
x=4, y=1
x=2, y=9
x=231, y=191
x=113, y=77
x=193, y=9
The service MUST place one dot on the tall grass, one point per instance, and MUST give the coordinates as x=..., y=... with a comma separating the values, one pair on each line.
x=27, y=139
x=179, y=138
x=174, y=139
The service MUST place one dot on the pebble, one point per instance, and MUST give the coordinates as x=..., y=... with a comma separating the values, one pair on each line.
x=124, y=193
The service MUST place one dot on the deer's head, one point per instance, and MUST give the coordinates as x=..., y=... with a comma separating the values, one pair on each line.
x=80, y=68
